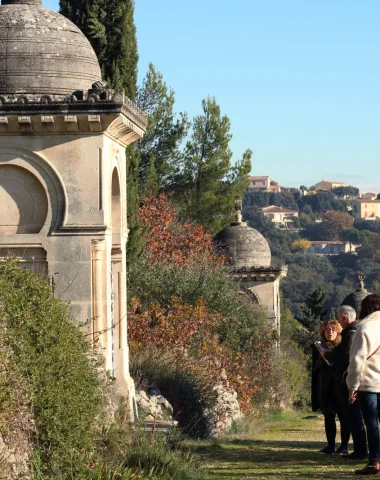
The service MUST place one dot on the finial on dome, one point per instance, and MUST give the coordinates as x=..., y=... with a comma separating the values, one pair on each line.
x=21, y=2
x=238, y=208
x=239, y=215
x=361, y=278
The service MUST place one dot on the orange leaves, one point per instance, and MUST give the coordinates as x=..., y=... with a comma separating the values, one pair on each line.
x=178, y=326
x=189, y=333
x=167, y=240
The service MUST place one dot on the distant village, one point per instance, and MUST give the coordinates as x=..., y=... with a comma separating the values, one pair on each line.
x=364, y=206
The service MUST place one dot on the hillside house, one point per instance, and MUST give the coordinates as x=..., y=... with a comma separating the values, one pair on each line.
x=330, y=247
x=369, y=196
x=329, y=186
x=263, y=184
x=367, y=209
x=281, y=216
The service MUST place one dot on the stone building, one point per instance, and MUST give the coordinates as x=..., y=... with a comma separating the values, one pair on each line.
x=250, y=257
x=63, y=135
x=328, y=186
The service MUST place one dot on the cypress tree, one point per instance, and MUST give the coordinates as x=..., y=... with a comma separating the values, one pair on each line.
x=110, y=28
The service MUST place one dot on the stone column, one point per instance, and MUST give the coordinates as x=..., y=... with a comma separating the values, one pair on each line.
x=99, y=324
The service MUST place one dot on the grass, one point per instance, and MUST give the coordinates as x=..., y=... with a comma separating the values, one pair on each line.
x=281, y=447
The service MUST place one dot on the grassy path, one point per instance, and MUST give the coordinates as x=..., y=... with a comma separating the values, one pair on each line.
x=283, y=447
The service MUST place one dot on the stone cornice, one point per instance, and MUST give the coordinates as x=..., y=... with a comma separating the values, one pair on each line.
x=93, y=111
x=259, y=274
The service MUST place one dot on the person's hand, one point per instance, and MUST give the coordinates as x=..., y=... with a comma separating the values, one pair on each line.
x=352, y=396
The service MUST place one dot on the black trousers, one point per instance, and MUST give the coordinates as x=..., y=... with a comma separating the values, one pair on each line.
x=353, y=416
x=330, y=427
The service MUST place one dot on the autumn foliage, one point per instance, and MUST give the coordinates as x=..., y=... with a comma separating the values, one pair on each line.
x=167, y=240
x=334, y=223
x=190, y=333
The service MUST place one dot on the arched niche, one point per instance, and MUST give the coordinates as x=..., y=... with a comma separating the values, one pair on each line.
x=44, y=175
x=250, y=294
x=116, y=209
x=23, y=201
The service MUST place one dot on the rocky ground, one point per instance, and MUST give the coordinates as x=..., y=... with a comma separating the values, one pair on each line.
x=281, y=447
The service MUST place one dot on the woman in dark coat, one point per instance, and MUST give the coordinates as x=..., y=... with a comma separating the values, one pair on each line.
x=323, y=396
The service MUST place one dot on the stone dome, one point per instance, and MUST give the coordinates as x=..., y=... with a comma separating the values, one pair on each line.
x=355, y=299
x=247, y=247
x=42, y=52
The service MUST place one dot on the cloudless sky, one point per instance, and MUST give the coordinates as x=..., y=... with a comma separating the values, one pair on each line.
x=299, y=79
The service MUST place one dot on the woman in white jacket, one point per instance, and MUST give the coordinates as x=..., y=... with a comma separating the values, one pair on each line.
x=363, y=379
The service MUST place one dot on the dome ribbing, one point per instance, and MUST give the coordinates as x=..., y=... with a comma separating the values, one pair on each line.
x=246, y=246
x=21, y=2
x=42, y=52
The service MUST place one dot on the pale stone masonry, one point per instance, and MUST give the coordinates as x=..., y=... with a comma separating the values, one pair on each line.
x=63, y=135
x=250, y=258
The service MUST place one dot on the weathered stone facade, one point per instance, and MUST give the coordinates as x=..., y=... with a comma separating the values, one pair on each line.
x=63, y=170
x=250, y=256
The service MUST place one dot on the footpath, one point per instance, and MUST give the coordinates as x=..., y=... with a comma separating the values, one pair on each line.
x=283, y=447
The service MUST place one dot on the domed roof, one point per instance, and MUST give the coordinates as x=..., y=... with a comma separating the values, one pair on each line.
x=247, y=247
x=355, y=299
x=42, y=52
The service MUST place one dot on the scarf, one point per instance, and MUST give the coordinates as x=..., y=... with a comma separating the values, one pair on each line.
x=331, y=345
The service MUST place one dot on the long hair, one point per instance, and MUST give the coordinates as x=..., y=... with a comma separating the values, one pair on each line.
x=370, y=304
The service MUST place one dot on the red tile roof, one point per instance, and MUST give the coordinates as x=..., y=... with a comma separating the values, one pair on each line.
x=336, y=183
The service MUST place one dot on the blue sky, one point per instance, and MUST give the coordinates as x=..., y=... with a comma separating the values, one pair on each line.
x=299, y=79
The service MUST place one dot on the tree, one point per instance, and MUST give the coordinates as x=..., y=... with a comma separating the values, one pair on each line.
x=322, y=202
x=159, y=149
x=301, y=244
x=343, y=192
x=110, y=28
x=167, y=240
x=313, y=231
x=334, y=223
x=209, y=183
x=352, y=236
x=265, y=199
x=314, y=309
x=373, y=225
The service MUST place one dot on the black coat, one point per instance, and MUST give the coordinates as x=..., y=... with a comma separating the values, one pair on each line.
x=340, y=357
x=323, y=395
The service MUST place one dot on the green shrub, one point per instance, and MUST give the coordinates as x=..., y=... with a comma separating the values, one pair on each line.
x=287, y=385
x=157, y=283
x=108, y=472
x=152, y=454
x=129, y=452
x=57, y=363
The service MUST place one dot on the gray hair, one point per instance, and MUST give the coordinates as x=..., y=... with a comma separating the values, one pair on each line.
x=347, y=311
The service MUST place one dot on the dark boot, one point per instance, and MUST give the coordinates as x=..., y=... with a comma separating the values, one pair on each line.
x=371, y=469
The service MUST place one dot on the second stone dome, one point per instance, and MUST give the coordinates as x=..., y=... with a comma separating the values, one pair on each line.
x=246, y=246
x=42, y=52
